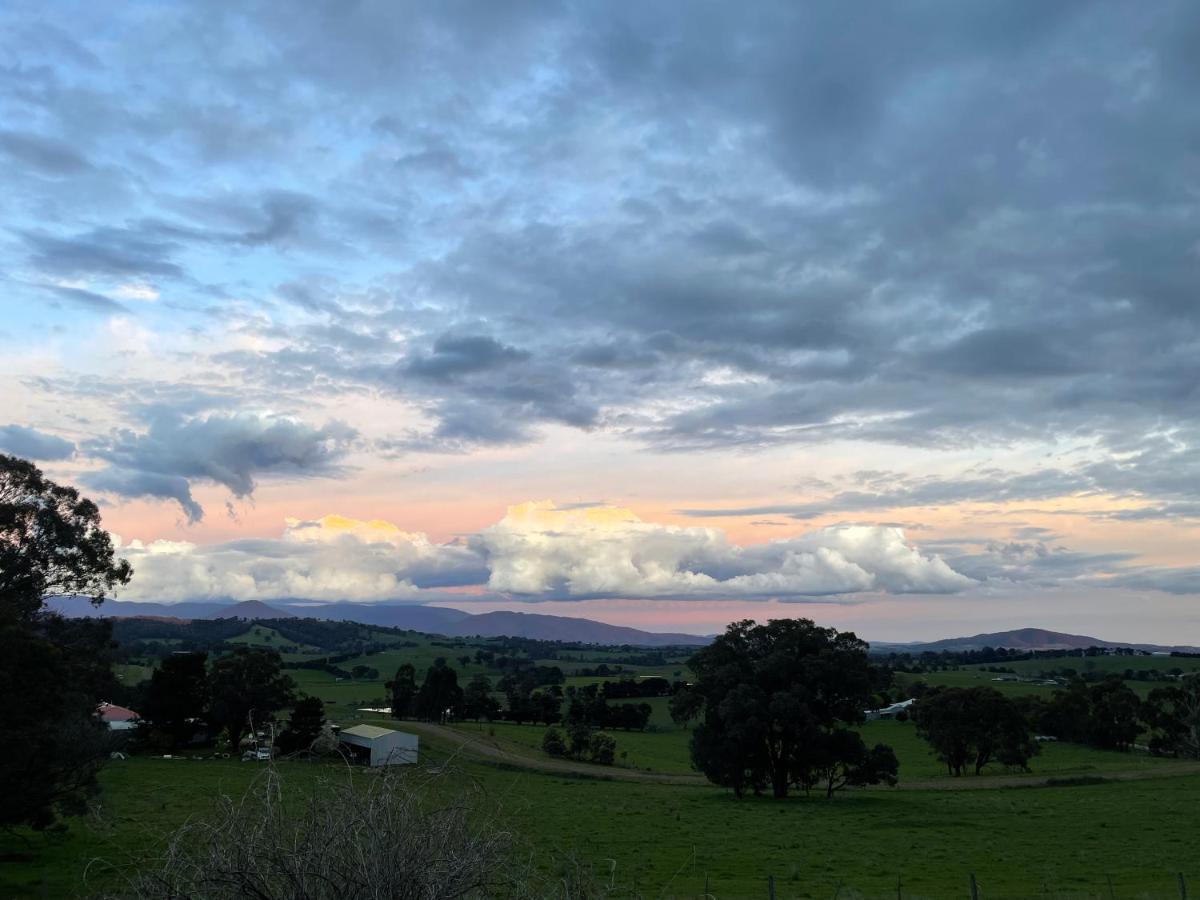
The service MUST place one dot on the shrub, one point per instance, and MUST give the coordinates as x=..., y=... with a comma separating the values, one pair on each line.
x=602, y=748
x=553, y=742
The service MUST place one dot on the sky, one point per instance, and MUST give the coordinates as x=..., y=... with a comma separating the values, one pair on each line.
x=660, y=314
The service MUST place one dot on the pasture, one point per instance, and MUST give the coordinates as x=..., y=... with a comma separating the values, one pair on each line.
x=1131, y=838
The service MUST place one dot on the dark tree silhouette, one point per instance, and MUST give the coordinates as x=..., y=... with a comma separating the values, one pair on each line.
x=53, y=672
x=440, y=697
x=304, y=725
x=773, y=692
x=176, y=698
x=404, y=690
x=974, y=727
x=248, y=684
x=684, y=706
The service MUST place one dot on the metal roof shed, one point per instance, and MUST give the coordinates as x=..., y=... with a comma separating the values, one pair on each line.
x=380, y=746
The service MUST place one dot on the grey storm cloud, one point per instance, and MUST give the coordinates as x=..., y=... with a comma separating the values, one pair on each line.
x=174, y=451
x=941, y=225
x=33, y=444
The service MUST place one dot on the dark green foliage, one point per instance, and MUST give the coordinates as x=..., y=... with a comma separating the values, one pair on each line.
x=602, y=749
x=53, y=672
x=1103, y=715
x=838, y=759
x=1115, y=713
x=440, y=698
x=972, y=727
x=1174, y=715
x=553, y=742
x=774, y=694
x=176, y=699
x=403, y=688
x=684, y=706
x=303, y=727
x=247, y=685
x=51, y=543
x=478, y=702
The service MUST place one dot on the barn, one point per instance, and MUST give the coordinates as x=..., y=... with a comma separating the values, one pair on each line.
x=378, y=746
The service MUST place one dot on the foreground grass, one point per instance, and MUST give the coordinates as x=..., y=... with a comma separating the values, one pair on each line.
x=664, y=840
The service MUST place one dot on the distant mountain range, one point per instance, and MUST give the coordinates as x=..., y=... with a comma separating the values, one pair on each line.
x=1022, y=639
x=428, y=619
x=456, y=623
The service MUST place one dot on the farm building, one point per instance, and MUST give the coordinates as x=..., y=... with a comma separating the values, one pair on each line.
x=888, y=712
x=379, y=746
x=117, y=718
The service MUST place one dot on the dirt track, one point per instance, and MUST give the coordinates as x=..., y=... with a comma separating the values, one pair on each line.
x=491, y=749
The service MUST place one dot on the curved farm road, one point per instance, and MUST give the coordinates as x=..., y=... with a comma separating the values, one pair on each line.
x=491, y=749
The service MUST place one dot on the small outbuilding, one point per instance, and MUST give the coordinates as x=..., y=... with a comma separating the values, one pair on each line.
x=379, y=746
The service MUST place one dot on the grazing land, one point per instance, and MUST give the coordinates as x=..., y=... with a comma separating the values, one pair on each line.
x=670, y=840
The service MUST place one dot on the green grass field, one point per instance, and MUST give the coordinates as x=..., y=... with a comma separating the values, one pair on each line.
x=667, y=752
x=667, y=841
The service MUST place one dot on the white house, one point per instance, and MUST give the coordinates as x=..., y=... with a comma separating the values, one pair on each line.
x=379, y=746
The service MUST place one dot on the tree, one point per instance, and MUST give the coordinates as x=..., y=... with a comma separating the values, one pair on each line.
x=602, y=748
x=684, y=706
x=1174, y=715
x=553, y=742
x=51, y=544
x=974, y=727
x=478, y=702
x=53, y=672
x=304, y=725
x=248, y=685
x=440, y=697
x=404, y=690
x=771, y=691
x=840, y=759
x=1115, y=710
x=176, y=699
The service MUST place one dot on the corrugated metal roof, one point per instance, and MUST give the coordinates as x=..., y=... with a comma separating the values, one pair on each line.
x=371, y=732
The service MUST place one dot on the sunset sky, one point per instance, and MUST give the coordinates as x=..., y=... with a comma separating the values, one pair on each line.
x=655, y=313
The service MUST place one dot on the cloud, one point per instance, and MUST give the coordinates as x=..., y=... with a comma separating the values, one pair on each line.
x=43, y=154
x=541, y=550
x=330, y=559
x=33, y=444
x=232, y=450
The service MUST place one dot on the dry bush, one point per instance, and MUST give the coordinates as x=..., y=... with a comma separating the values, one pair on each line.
x=374, y=834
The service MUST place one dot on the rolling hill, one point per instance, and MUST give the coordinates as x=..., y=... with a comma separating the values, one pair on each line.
x=1022, y=639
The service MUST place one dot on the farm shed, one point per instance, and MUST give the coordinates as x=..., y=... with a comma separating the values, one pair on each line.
x=379, y=746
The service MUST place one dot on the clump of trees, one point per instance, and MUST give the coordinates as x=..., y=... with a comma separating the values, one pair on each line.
x=438, y=699
x=54, y=672
x=780, y=701
x=974, y=727
x=1105, y=715
x=581, y=742
x=1173, y=715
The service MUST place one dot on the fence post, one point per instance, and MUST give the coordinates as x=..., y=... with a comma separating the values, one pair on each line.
x=770, y=887
x=974, y=888
x=1182, y=887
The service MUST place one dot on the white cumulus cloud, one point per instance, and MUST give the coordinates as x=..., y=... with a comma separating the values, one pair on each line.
x=538, y=549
